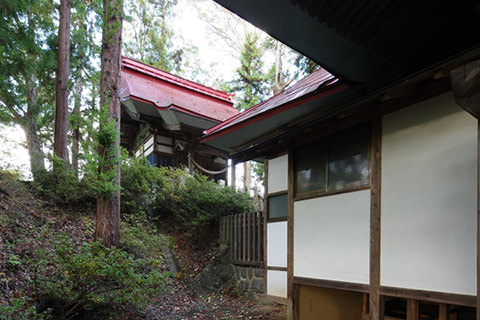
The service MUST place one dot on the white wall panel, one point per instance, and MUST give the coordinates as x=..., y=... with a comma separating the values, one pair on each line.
x=278, y=174
x=332, y=237
x=429, y=198
x=277, y=244
x=277, y=283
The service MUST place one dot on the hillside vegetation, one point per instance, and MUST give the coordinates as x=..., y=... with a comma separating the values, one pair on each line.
x=50, y=267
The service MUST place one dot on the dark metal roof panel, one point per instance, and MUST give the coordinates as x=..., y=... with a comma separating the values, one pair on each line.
x=375, y=42
x=319, y=78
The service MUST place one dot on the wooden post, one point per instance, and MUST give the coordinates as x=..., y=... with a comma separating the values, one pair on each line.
x=375, y=219
x=265, y=217
x=290, y=290
x=249, y=243
x=259, y=236
x=443, y=312
x=412, y=309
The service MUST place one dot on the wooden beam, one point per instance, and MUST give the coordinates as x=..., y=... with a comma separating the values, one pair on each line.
x=332, y=284
x=375, y=219
x=290, y=222
x=412, y=309
x=429, y=296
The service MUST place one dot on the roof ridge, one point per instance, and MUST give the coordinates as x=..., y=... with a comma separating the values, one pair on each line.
x=175, y=79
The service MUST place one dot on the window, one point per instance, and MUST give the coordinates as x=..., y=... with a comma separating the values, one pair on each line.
x=277, y=207
x=337, y=163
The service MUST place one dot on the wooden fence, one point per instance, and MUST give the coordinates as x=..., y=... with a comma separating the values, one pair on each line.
x=244, y=232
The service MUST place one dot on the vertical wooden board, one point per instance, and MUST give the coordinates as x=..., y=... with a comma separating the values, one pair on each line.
x=375, y=218
x=222, y=228
x=239, y=234
x=443, y=312
x=265, y=215
x=236, y=237
x=412, y=309
x=230, y=235
x=248, y=215
x=290, y=222
x=296, y=297
x=259, y=237
x=244, y=237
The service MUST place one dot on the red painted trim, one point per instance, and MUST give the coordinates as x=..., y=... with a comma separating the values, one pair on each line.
x=168, y=77
x=328, y=84
x=289, y=105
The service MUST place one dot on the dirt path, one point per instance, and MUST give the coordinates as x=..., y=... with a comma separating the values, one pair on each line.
x=182, y=303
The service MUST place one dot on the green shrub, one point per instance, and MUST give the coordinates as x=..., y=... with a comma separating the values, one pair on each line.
x=141, y=241
x=140, y=182
x=21, y=309
x=93, y=275
x=8, y=174
x=62, y=185
x=193, y=201
x=188, y=201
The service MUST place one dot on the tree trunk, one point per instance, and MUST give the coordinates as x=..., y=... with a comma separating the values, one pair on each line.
x=76, y=121
x=108, y=208
x=63, y=71
x=29, y=126
x=248, y=174
x=279, y=84
x=37, y=161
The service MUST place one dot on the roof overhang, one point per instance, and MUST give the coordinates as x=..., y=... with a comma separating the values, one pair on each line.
x=375, y=42
x=242, y=135
x=387, y=52
x=304, y=97
x=147, y=92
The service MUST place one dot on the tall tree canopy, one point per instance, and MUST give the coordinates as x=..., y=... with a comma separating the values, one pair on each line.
x=28, y=46
x=148, y=35
x=250, y=82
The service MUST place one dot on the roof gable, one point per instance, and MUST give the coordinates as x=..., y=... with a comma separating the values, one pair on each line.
x=166, y=91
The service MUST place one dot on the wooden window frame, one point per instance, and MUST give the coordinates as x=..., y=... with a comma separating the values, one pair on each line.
x=275, y=194
x=344, y=188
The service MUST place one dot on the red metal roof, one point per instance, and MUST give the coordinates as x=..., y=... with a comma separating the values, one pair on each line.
x=287, y=99
x=167, y=91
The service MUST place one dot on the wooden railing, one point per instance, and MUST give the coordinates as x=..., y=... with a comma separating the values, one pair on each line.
x=244, y=232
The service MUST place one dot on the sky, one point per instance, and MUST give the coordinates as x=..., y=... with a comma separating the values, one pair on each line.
x=194, y=19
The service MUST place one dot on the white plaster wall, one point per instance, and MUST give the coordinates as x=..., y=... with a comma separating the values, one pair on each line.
x=429, y=198
x=277, y=283
x=278, y=174
x=277, y=244
x=332, y=237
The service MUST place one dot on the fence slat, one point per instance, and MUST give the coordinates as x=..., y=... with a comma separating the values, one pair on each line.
x=244, y=232
x=248, y=236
